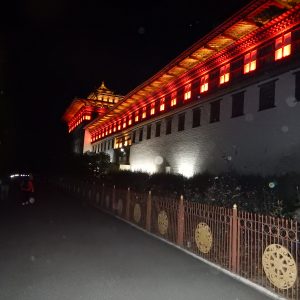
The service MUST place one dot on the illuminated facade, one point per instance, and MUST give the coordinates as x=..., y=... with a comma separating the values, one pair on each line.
x=82, y=111
x=229, y=101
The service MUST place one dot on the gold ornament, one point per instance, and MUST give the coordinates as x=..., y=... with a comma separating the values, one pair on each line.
x=203, y=237
x=162, y=222
x=279, y=266
x=137, y=213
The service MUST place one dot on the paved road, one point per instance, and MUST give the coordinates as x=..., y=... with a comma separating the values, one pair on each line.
x=61, y=249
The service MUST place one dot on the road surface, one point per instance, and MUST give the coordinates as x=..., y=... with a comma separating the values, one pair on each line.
x=61, y=249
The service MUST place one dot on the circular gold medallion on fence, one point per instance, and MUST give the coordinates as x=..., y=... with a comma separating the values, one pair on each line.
x=120, y=207
x=162, y=222
x=137, y=213
x=279, y=266
x=203, y=237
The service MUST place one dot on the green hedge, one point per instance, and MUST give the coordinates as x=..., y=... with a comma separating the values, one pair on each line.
x=275, y=195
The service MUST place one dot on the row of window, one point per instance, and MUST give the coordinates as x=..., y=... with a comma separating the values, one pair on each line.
x=266, y=101
x=282, y=48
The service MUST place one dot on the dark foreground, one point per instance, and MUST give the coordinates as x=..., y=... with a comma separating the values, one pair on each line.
x=59, y=248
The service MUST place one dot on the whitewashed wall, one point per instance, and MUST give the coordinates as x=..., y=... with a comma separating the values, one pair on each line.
x=263, y=142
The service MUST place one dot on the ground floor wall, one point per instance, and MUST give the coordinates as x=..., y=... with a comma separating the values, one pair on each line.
x=259, y=141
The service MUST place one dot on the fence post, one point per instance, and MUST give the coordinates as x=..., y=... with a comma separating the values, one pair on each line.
x=180, y=222
x=113, y=198
x=128, y=204
x=234, y=232
x=148, y=213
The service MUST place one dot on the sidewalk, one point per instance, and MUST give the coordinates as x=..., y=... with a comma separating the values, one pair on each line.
x=61, y=249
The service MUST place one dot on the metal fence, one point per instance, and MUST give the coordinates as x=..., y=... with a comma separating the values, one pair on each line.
x=262, y=249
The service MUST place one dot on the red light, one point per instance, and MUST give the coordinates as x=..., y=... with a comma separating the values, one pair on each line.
x=283, y=46
x=204, y=83
x=144, y=113
x=152, y=111
x=224, y=73
x=187, y=92
x=250, y=62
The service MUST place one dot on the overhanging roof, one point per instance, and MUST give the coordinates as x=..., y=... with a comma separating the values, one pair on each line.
x=246, y=21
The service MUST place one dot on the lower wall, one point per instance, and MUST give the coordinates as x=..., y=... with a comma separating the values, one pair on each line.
x=264, y=142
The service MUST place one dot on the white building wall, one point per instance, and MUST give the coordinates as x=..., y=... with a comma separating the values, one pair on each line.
x=264, y=142
x=87, y=146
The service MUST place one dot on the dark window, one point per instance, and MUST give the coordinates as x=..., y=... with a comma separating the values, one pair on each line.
x=181, y=121
x=237, y=104
x=215, y=111
x=101, y=147
x=133, y=137
x=267, y=95
x=196, y=117
x=104, y=145
x=297, y=87
x=168, y=125
x=157, y=129
x=148, y=132
x=141, y=135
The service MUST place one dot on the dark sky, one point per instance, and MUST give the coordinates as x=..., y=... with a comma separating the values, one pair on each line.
x=54, y=50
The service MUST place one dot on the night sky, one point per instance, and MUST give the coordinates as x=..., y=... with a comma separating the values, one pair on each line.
x=52, y=51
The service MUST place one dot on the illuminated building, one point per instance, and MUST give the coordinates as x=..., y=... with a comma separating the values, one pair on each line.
x=82, y=111
x=230, y=101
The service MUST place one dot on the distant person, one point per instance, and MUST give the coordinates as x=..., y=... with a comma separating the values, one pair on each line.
x=27, y=190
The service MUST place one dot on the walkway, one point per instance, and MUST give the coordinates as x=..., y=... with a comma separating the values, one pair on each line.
x=60, y=249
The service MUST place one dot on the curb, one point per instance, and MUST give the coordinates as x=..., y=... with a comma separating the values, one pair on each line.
x=232, y=275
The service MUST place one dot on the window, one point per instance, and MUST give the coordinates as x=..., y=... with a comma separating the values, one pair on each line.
x=119, y=126
x=144, y=114
x=152, y=110
x=141, y=135
x=124, y=123
x=297, y=86
x=224, y=73
x=215, y=111
x=181, y=121
x=110, y=129
x=149, y=132
x=162, y=104
x=133, y=137
x=250, y=61
x=237, y=104
x=157, y=129
x=173, y=99
x=267, y=95
x=187, y=92
x=130, y=120
x=204, y=83
x=136, y=116
x=283, y=46
x=168, y=125
x=115, y=127
x=196, y=117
